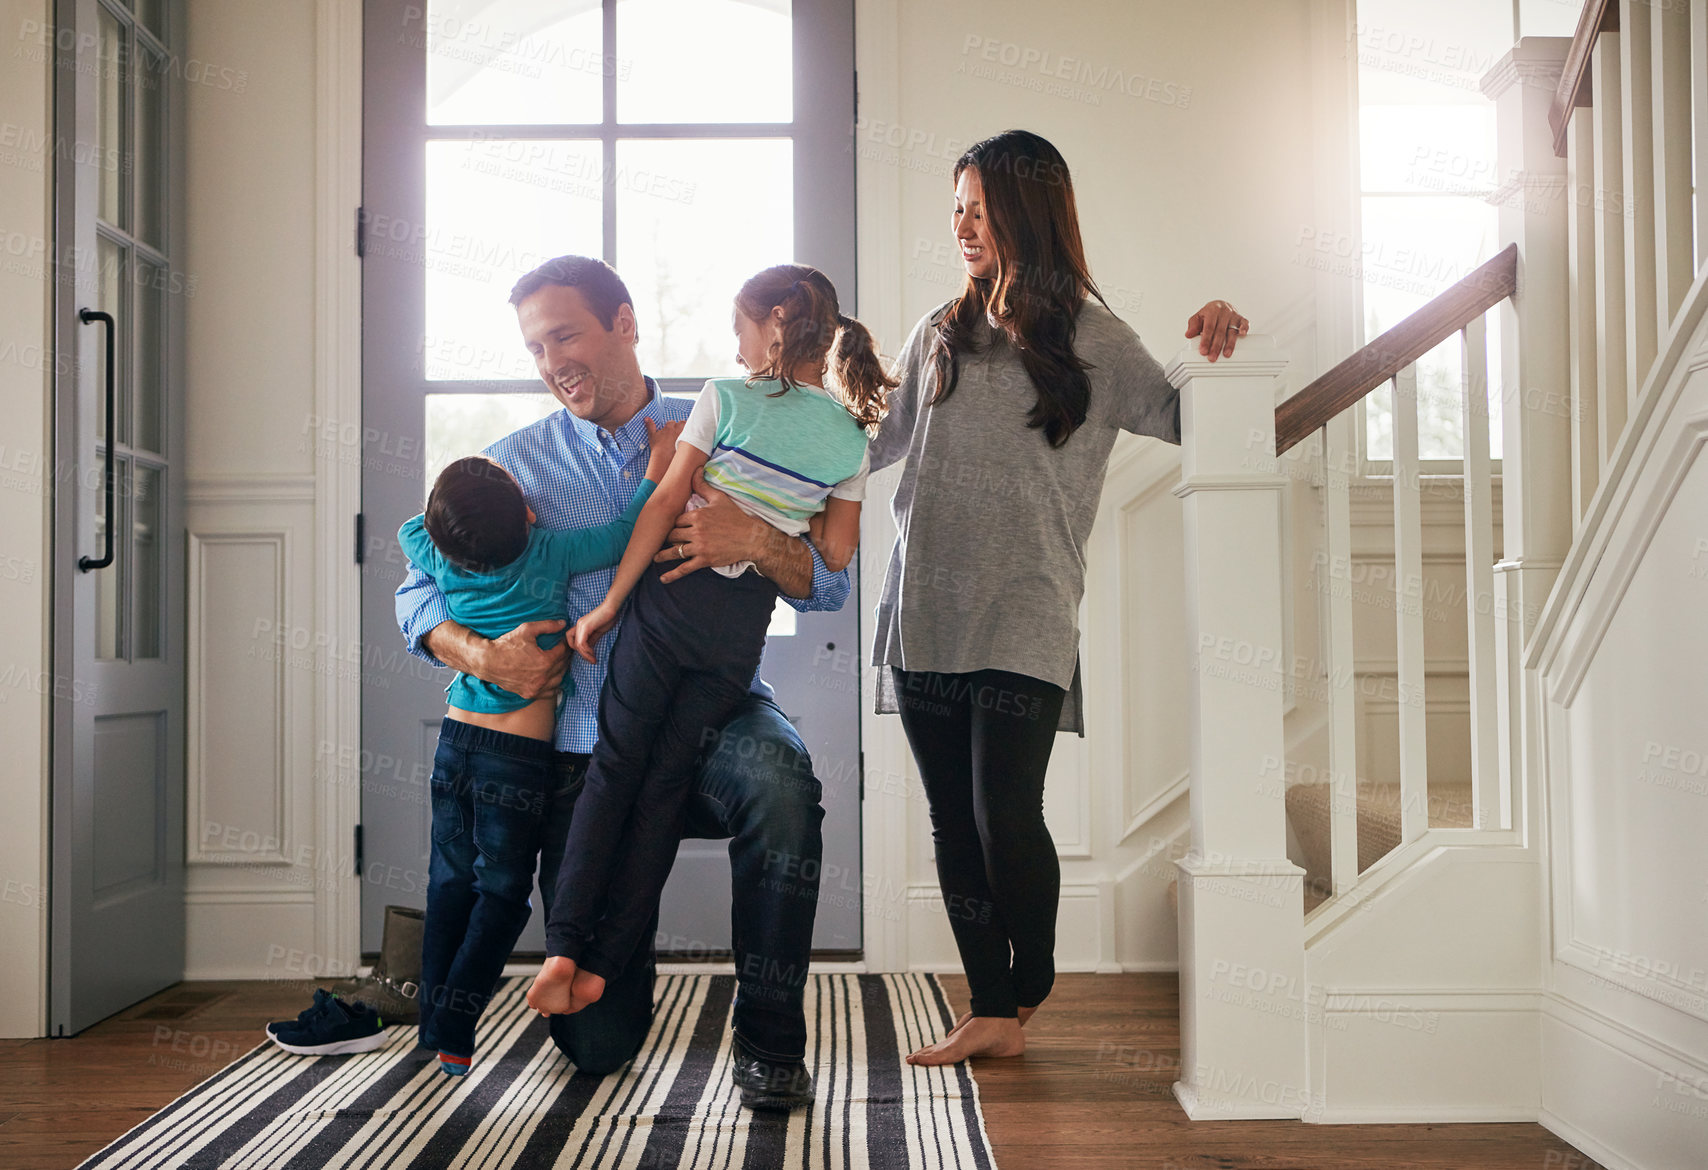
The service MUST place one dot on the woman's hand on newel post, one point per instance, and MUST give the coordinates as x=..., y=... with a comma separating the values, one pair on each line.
x=1217, y=326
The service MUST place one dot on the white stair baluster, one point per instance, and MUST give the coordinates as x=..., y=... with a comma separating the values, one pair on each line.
x=1408, y=611
x=1636, y=97
x=1581, y=220
x=1607, y=199
x=1338, y=456
x=1669, y=62
x=1699, y=119
x=1479, y=578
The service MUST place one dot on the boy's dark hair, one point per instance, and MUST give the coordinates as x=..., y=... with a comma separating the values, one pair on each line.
x=597, y=280
x=476, y=515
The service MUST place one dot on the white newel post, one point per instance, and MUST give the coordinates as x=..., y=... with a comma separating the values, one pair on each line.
x=1534, y=380
x=1243, y=1004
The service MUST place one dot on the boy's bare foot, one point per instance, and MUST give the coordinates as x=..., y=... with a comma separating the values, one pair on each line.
x=551, y=993
x=979, y=1036
x=586, y=989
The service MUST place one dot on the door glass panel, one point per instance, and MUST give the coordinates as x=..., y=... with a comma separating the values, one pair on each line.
x=110, y=136
x=146, y=562
x=149, y=164
x=695, y=218
x=152, y=13
x=515, y=62
x=674, y=61
x=106, y=580
x=109, y=295
x=466, y=424
x=496, y=209
x=148, y=328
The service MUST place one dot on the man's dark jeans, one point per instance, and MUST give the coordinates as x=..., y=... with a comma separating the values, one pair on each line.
x=756, y=788
x=490, y=793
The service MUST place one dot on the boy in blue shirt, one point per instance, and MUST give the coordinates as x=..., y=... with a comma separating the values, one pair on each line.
x=493, y=768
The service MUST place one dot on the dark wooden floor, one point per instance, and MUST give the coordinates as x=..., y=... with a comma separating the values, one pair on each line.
x=1092, y=1091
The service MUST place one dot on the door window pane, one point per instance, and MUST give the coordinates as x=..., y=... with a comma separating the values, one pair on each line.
x=110, y=136
x=695, y=218
x=146, y=562
x=466, y=424
x=149, y=164
x=513, y=62
x=109, y=296
x=106, y=580
x=704, y=61
x=152, y=13
x=148, y=326
x=495, y=209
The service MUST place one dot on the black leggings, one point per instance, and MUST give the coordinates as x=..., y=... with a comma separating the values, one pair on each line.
x=982, y=742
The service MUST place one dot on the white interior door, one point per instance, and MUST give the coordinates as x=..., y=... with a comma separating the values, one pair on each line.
x=117, y=900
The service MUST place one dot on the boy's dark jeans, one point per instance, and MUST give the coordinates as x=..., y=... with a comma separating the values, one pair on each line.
x=754, y=787
x=490, y=794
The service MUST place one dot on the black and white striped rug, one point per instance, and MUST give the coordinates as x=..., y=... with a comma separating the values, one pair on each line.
x=524, y=1106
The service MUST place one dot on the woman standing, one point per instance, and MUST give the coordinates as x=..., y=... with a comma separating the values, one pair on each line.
x=1009, y=401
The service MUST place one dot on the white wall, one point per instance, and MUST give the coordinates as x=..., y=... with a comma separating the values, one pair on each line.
x=1620, y=653
x=26, y=454
x=271, y=186
x=1189, y=154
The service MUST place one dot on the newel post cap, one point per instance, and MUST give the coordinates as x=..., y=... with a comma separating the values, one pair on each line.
x=1255, y=356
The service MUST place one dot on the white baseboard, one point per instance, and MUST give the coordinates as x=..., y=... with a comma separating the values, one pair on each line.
x=1566, y=1131
x=1225, y=1108
x=1420, y=1115
x=1608, y=1087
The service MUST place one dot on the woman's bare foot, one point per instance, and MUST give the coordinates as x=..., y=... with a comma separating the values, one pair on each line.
x=1026, y=1013
x=979, y=1036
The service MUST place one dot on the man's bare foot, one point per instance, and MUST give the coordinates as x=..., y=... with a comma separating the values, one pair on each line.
x=551, y=993
x=586, y=989
x=980, y=1036
x=1026, y=1013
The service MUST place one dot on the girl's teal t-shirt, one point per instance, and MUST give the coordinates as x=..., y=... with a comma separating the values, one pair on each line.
x=533, y=587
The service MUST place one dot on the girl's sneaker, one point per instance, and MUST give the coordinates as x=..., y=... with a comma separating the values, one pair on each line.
x=339, y=1027
x=454, y=1066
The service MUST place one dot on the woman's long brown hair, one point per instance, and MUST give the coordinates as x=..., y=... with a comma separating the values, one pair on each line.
x=1041, y=278
x=817, y=334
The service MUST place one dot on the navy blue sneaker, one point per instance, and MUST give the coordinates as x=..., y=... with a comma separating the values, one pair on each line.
x=332, y=1027
x=322, y=997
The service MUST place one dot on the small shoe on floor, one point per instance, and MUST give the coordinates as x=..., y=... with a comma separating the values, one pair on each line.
x=454, y=1066
x=322, y=997
x=337, y=1029
x=768, y=1082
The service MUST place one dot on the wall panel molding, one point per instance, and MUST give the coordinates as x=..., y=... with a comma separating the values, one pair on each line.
x=219, y=702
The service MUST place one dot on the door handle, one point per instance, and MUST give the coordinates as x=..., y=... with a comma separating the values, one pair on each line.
x=85, y=564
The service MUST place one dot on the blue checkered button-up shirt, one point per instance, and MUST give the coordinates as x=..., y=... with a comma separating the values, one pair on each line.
x=574, y=474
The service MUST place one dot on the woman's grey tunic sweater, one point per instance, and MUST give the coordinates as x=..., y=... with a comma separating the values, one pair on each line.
x=989, y=561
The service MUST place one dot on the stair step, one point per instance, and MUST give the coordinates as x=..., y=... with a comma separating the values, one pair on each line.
x=1379, y=808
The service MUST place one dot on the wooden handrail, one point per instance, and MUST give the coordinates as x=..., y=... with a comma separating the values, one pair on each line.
x=1396, y=349
x=1597, y=17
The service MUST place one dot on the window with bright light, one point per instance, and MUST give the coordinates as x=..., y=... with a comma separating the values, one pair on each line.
x=656, y=134
x=1428, y=177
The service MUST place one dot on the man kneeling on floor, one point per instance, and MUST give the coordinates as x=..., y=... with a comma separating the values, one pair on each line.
x=754, y=786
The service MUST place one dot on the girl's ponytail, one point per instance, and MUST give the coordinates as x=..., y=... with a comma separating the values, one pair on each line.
x=859, y=372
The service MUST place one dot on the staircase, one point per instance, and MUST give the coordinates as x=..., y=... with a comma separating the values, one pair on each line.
x=1375, y=947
